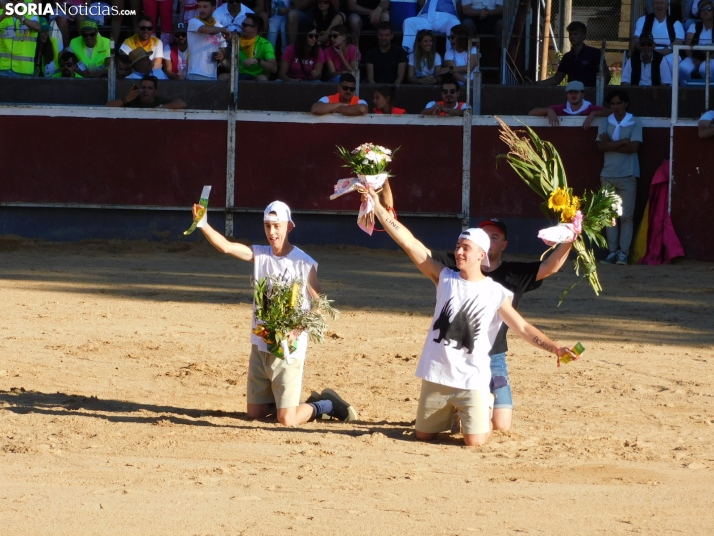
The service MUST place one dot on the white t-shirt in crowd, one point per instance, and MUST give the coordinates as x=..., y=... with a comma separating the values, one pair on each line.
x=423, y=70
x=705, y=38
x=478, y=5
x=295, y=265
x=234, y=24
x=182, y=58
x=201, y=48
x=157, y=48
x=660, y=33
x=665, y=74
x=707, y=116
x=326, y=100
x=460, y=59
x=463, y=329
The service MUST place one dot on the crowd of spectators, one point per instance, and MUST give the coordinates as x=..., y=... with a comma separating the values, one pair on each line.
x=318, y=41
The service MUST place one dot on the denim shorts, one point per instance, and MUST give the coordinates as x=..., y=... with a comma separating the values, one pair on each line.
x=500, y=384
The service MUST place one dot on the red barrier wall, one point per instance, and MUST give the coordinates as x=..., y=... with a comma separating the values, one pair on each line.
x=296, y=162
x=693, y=193
x=111, y=161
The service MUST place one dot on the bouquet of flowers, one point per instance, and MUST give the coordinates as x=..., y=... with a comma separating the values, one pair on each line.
x=538, y=163
x=280, y=311
x=369, y=162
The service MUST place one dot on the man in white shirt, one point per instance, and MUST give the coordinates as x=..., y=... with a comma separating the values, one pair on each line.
x=665, y=29
x=483, y=17
x=231, y=14
x=206, y=43
x=454, y=366
x=645, y=67
x=141, y=63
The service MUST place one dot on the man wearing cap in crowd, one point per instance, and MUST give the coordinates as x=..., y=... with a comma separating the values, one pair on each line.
x=645, y=68
x=144, y=96
x=518, y=278
x=47, y=51
x=144, y=40
x=92, y=50
x=141, y=63
x=176, y=54
x=455, y=366
x=68, y=66
x=275, y=384
x=576, y=105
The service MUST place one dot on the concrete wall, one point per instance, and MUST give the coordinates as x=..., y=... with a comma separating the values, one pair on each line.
x=277, y=96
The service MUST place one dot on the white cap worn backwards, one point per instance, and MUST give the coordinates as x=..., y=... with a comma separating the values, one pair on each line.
x=481, y=239
x=281, y=210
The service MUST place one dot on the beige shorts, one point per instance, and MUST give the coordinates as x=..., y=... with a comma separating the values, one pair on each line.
x=272, y=380
x=438, y=402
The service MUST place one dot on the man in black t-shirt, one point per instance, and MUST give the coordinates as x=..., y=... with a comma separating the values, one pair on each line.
x=519, y=278
x=386, y=63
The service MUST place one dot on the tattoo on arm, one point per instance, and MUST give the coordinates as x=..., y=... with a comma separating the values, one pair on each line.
x=544, y=345
x=392, y=223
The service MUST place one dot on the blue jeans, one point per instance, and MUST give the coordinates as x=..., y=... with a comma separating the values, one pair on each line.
x=500, y=384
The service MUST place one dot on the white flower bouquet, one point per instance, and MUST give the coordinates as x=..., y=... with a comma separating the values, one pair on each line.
x=369, y=162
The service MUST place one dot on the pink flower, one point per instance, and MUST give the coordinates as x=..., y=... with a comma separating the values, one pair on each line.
x=578, y=222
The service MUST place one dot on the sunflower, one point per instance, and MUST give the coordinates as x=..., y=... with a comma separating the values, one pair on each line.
x=559, y=200
x=568, y=214
x=575, y=202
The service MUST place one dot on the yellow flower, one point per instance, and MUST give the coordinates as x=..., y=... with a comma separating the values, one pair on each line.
x=559, y=200
x=568, y=214
x=575, y=202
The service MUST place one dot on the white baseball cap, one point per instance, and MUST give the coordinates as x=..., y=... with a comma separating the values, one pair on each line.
x=281, y=210
x=481, y=239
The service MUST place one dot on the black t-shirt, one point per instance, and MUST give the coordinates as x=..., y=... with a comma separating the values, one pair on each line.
x=583, y=67
x=518, y=277
x=386, y=63
x=136, y=103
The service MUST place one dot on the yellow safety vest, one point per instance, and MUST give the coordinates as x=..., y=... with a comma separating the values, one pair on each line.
x=7, y=32
x=17, y=46
x=101, y=52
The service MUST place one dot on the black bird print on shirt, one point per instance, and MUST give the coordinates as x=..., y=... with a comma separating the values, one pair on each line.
x=463, y=329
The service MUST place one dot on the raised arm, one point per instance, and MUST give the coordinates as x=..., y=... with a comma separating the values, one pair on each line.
x=555, y=261
x=417, y=252
x=530, y=333
x=218, y=241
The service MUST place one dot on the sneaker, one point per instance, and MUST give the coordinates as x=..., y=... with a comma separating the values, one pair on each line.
x=341, y=409
x=314, y=397
x=611, y=258
x=621, y=258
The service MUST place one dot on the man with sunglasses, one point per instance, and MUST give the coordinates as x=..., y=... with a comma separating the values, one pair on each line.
x=91, y=49
x=645, y=68
x=344, y=102
x=144, y=39
x=231, y=14
x=256, y=59
x=206, y=43
x=449, y=105
x=68, y=65
x=176, y=55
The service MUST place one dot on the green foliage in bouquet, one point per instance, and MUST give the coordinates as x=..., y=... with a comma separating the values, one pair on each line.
x=367, y=159
x=280, y=310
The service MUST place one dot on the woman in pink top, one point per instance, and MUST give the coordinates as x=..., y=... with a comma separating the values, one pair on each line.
x=341, y=57
x=303, y=60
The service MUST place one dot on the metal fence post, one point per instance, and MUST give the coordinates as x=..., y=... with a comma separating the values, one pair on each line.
x=232, y=126
x=111, y=75
x=235, y=48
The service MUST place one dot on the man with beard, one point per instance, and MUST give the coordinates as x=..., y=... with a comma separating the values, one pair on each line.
x=145, y=96
x=176, y=55
x=449, y=104
x=206, y=43
x=68, y=64
x=144, y=40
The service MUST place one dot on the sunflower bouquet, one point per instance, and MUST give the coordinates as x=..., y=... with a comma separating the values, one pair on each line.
x=538, y=163
x=369, y=163
x=280, y=311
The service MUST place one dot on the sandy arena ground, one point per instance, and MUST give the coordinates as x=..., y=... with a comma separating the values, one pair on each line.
x=122, y=404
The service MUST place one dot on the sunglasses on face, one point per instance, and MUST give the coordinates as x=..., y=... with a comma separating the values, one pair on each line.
x=92, y=34
x=647, y=44
x=67, y=64
x=180, y=34
x=323, y=1
x=452, y=37
x=708, y=8
x=233, y=1
x=246, y=25
x=350, y=89
x=448, y=91
x=334, y=36
x=146, y=28
x=312, y=36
